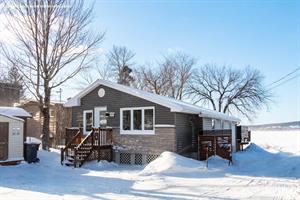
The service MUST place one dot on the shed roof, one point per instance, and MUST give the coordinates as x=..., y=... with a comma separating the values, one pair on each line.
x=14, y=111
x=12, y=117
x=173, y=104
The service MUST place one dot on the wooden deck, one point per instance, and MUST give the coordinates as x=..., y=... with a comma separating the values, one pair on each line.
x=80, y=149
x=215, y=144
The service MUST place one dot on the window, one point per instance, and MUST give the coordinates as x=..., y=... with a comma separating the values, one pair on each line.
x=137, y=120
x=100, y=117
x=51, y=113
x=102, y=120
x=87, y=121
x=126, y=120
x=148, y=123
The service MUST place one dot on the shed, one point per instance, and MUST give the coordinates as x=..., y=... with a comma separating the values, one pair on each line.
x=11, y=139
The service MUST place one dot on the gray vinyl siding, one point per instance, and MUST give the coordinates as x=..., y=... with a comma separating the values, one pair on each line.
x=187, y=128
x=114, y=100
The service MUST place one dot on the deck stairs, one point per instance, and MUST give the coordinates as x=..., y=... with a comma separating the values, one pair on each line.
x=96, y=145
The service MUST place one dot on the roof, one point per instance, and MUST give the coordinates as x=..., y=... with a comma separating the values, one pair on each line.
x=14, y=112
x=173, y=104
x=52, y=102
x=12, y=117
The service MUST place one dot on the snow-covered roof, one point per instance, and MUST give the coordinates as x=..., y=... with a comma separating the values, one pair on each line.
x=52, y=102
x=12, y=117
x=173, y=104
x=14, y=111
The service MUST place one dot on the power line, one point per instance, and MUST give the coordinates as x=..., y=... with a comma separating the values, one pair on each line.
x=284, y=82
x=285, y=76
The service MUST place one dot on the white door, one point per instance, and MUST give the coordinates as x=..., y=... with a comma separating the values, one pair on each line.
x=87, y=121
x=100, y=117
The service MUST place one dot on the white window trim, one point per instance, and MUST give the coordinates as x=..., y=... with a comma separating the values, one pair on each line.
x=164, y=126
x=137, y=132
x=84, y=120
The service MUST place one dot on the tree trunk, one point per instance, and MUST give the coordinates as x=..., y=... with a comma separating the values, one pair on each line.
x=46, y=119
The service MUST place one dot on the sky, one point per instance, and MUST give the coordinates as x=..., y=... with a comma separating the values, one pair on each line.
x=262, y=34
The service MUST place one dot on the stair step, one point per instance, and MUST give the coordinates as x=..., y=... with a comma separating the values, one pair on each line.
x=83, y=152
x=69, y=164
x=87, y=149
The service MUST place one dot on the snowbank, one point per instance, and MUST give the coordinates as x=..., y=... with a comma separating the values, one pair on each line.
x=102, y=165
x=284, y=141
x=253, y=161
x=256, y=161
x=169, y=162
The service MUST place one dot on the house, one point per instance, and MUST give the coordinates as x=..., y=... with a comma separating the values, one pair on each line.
x=144, y=124
x=59, y=119
x=12, y=134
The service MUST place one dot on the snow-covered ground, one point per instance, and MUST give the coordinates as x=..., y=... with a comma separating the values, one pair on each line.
x=267, y=169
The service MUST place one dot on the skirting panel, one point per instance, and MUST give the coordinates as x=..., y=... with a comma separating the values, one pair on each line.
x=132, y=158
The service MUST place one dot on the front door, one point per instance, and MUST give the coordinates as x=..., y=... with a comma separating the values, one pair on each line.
x=100, y=117
x=3, y=140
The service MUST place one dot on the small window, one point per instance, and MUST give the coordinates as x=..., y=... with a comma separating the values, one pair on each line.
x=213, y=124
x=102, y=120
x=37, y=114
x=87, y=120
x=51, y=113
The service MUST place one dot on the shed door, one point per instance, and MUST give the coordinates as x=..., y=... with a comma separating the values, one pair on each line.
x=3, y=140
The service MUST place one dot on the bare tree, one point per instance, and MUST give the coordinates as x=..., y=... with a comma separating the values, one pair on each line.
x=170, y=77
x=227, y=89
x=179, y=68
x=153, y=79
x=120, y=59
x=97, y=71
x=52, y=45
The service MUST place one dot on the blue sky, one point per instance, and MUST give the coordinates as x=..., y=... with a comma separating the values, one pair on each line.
x=262, y=34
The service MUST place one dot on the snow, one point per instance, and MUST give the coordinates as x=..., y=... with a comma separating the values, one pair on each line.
x=11, y=117
x=14, y=111
x=268, y=169
x=32, y=140
x=173, y=104
x=286, y=141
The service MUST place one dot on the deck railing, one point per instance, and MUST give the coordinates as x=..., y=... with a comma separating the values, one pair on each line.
x=73, y=138
x=79, y=148
x=215, y=144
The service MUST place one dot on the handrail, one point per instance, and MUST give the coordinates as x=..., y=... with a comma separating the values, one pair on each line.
x=95, y=140
x=72, y=140
x=62, y=150
x=85, y=139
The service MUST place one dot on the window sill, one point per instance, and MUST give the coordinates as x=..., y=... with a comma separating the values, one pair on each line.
x=132, y=132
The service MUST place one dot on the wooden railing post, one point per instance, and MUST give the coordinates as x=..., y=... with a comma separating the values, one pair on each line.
x=92, y=135
x=99, y=151
x=75, y=157
x=61, y=156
